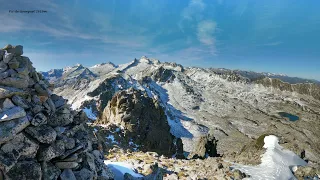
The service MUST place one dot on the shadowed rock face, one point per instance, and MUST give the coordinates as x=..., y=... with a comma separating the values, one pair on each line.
x=305, y=88
x=142, y=119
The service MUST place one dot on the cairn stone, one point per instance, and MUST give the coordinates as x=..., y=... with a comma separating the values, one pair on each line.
x=7, y=57
x=39, y=119
x=7, y=47
x=12, y=113
x=13, y=64
x=2, y=52
x=16, y=50
x=7, y=92
x=67, y=174
x=25, y=146
x=3, y=66
x=44, y=133
x=9, y=129
x=19, y=101
x=54, y=150
x=50, y=171
x=25, y=170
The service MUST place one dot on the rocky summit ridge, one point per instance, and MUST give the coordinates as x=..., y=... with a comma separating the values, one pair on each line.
x=41, y=137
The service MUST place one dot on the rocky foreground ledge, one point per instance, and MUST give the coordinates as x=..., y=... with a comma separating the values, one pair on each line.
x=40, y=136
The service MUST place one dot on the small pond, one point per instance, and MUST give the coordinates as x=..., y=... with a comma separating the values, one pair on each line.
x=288, y=115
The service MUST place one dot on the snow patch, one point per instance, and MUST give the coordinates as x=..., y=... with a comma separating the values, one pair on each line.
x=120, y=168
x=276, y=162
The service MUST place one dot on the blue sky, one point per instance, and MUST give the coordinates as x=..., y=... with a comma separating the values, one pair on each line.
x=259, y=35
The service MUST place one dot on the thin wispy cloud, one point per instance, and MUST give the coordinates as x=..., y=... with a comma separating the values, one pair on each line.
x=205, y=34
x=271, y=44
x=193, y=10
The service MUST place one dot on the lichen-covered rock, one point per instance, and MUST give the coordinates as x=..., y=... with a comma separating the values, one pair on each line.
x=12, y=113
x=25, y=146
x=44, y=133
x=39, y=119
x=16, y=50
x=50, y=171
x=16, y=82
x=9, y=129
x=54, y=150
x=27, y=170
x=6, y=92
x=7, y=57
x=19, y=101
x=84, y=174
x=41, y=89
x=3, y=66
x=8, y=160
x=60, y=119
x=13, y=64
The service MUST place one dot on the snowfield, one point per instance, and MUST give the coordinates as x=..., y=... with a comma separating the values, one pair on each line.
x=276, y=162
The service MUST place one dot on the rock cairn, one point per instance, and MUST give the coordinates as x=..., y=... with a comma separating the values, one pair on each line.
x=40, y=136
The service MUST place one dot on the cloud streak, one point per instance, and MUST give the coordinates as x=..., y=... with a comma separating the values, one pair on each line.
x=205, y=34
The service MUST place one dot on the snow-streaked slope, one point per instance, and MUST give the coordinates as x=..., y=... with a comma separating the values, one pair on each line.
x=276, y=162
x=232, y=109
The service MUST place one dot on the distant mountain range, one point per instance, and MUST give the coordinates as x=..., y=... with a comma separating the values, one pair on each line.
x=231, y=106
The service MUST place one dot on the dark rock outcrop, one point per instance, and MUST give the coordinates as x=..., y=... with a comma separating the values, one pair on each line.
x=142, y=119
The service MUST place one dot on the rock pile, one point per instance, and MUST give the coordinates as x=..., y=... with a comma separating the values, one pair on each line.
x=40, y=136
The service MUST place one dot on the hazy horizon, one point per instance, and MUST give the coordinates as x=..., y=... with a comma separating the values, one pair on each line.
x=261, y=36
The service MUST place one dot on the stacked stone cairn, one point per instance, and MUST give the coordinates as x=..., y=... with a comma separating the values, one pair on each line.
x=40, y=136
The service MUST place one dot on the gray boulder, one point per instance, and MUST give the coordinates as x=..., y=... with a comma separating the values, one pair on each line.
x=3, y=66
x=44, y=133
x=7, y=47
x=13, y=64
x=41, y=90
x=12, y=113
x=7, y=57
x=9, y=129
x=8, y=160
x=16, y=50
x=67, y=174
x=2, y=52
x=4, y=75
x=50, y=171
x=70, y=143
x=26, y=147
x=39, y=119
x=15, y=82
x=19, y=101
x=66, y=165
x=84, y=174
x=7, y=92
x=26, y=170
x=7, y=104
x=60, y=119
x=54, y=150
